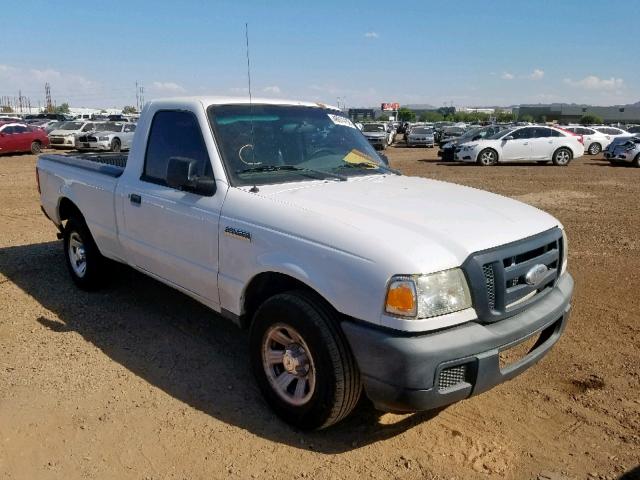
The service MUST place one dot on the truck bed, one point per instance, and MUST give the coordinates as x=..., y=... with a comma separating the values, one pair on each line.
x=111, y=164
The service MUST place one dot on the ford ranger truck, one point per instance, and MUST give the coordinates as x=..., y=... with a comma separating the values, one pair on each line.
x=350, y=277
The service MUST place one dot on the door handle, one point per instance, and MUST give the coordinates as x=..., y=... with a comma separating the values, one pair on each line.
x=135, y=198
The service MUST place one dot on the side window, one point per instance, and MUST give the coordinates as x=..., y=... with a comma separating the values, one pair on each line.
x=20, y=129
x=174, y=134
x=88, y=127
x=543, y=132
x=9, y=130
x=129, y=128
x=523, y=133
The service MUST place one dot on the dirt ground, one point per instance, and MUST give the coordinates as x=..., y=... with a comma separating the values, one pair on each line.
x=140, y=382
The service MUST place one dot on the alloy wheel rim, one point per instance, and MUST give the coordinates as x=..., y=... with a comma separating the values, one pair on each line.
x=562, y=157
x=487, y=158
x=288, y=364
x=77, y=255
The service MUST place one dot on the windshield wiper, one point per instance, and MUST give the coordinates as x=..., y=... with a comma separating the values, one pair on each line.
x=368, y=166
x=291, y=168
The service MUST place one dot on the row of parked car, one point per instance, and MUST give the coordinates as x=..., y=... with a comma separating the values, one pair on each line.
x=541, y=143
x=23, y=135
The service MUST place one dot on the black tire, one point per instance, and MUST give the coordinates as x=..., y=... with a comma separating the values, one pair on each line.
x=337, y=385
x=95, y=264
x=542, y=162
x=636, y=161
x=595, y=148
x=116, y=145
x=487, y=157
x=562, y=157
x=36, y=147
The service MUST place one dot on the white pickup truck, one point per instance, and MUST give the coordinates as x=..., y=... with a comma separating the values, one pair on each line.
x=349, y=276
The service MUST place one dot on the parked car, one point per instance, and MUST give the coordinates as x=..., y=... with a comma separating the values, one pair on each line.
x=349, y=277
x=612, y=132
x=447, y=150
x=420, y=136
x=19, y=137
x=625, y=150
x=594, y=140
x=537, y=143
x=377, y=135
x=634, y=129
x=449, y=133
x=65, y=135
x=108, y=137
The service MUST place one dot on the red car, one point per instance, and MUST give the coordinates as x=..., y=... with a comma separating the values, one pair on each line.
x=18, y=137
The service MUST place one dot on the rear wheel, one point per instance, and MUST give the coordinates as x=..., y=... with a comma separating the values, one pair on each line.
x=487, y=157
x=301, y=361
x=36, y=147
x=85, y=263
x=562, y=157
x=595, y=148
x=115, y=145
x=636, y=161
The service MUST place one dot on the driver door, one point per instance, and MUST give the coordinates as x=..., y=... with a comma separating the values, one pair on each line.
x=519, y=147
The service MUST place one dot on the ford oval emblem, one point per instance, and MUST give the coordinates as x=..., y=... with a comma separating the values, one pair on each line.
x=536, y=274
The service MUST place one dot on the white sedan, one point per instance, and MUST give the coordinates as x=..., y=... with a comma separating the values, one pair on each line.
x=594, y=140
x=523, y=144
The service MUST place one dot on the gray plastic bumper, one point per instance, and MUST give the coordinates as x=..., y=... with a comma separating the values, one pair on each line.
x=402, y=373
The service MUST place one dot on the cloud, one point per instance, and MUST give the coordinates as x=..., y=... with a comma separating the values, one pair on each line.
x=31, y=81
x=273, y=89
x=242, y=90
x=507, y=76
x=167, y=87
x=593, y=82
x=537, y=74
x=371, y=35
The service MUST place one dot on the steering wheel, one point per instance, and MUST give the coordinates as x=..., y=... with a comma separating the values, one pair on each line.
x=330, y=151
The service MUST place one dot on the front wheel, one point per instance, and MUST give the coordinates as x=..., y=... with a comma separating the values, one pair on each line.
x=487, y=157
x=636, y=161
x=562, y=157
x=116, y=146
x=302, y=363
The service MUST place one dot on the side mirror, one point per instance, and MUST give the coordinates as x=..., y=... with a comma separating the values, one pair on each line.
x=181, y=175
x=508, y=137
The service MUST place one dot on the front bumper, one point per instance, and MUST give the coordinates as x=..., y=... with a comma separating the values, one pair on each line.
x=403, y=373
x=101, y=145
x=465, y=156
x=62, y=142
x=421, y=143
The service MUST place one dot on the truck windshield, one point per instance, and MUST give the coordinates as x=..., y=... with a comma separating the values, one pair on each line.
x=266, y=144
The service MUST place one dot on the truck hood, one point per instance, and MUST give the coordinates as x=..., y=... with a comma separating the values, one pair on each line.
x=421, y=224
x=64, y=133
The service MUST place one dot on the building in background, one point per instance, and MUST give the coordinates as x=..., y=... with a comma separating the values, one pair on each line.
x=565, y=113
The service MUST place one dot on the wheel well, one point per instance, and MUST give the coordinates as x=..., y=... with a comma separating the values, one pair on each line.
x=265, y=285
x=568, y=149
x=68, y=209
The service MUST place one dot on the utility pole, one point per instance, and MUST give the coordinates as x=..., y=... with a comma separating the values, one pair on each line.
x=137, y=98
x=47, y=94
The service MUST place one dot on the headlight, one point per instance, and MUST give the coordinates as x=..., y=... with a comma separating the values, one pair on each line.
x=103, y=139
x=565, y=250
x=425, y=296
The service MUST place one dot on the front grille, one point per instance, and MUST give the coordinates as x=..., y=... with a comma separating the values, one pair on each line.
x=451, y=377
x=506, y=279
x=92, y=139
x=490, y=284
x=56, y=140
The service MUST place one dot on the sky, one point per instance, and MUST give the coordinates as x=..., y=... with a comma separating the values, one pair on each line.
x=357, y=53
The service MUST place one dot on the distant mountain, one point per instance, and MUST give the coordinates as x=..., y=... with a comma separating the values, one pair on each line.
x=420, y=106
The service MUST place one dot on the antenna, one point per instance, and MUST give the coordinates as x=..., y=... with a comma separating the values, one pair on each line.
x=253, y=148
x=246, y=36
